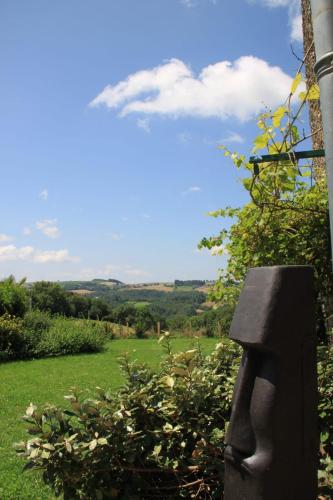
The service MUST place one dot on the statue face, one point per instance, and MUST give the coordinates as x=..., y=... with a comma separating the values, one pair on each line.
x=272, y=300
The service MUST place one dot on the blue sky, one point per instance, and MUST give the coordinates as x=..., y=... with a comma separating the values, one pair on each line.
x=110, y=116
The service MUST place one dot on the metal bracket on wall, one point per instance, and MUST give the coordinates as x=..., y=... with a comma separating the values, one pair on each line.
x=293, y=156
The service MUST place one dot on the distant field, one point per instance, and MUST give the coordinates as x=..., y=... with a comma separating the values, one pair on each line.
x=81, y=292
x=159, y=287
x=138, y=305
x=48, y=380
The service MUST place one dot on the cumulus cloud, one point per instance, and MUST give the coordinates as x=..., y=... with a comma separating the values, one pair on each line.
x=27, y=231
x=295, y=18
x=297, y=29
x=233, y=137
x=30, y=254
x=5, y=237
x=49, y=228
x=238, y=89
x=43, y=195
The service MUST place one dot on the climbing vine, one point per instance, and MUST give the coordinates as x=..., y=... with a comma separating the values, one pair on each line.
x=286, y=219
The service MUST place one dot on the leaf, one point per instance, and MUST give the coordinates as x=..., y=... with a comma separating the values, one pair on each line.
x=296, y=82
x=168, y=381
x=93, y=444
x=314, y=92
x=68, y=446
x=261, y=141
x=30, y=410
x=34, y=453
x=157, y=449
x=48, y=446
x=278, y=115
x=179, y=371
x=102, y=441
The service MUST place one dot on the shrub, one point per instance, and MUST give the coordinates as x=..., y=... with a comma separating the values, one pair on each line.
x=71, y=336
x=325, y=410
x=13, y=297
x=12, y=342
x=39, y=335
x=161, y=435
x=36, y=323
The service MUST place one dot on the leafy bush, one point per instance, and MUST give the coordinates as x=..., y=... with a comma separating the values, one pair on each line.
x=12, y=342
x=161, y=435
x=36, y=323
x=13, y=297
x=39, y=335
x=325, y=410
x=70, y=336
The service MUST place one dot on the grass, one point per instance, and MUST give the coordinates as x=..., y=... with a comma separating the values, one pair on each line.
x=48, y=380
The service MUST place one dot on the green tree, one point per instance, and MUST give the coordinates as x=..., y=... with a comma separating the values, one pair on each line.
x=50, y=297
x=13, y=297
x=286, y=220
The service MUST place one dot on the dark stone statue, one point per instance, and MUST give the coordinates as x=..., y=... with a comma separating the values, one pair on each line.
x=271, y=444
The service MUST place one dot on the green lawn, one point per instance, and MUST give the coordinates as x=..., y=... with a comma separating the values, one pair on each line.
x=48, y=380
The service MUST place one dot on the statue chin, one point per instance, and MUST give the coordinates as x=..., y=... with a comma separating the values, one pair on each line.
x=255, y=465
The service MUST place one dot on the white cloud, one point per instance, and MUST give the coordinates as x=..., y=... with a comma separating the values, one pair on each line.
x=5, y=237
x=30, y=254
x=184, y=137
x=233, y=137
x=145, y=216
x=297, y=29
x=112, y=270
x=43, y=195
x=144, y=124
x=294, y=11
x=49, y=228
x=27, y=231
x=191, y=189
x=116, y=236
x=194, y=3
x=276, y=3
x=222, y=90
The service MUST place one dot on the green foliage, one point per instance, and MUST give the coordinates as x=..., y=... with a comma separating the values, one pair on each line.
x=49, y=297
x=68, y=336
x=214, y=322
x=144, y=321
x=161, y=434
x=13, y=297
x=12, y=343
x=286, y=220
x=39, y=335
x=54, y=299
x=325, y=411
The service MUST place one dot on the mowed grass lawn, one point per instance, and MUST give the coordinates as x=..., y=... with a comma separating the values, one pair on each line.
x=47, y=381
